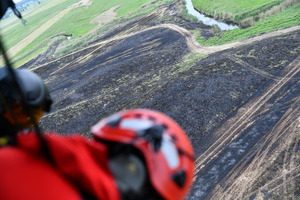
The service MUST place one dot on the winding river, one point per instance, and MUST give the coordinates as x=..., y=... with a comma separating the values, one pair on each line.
x=207, y=20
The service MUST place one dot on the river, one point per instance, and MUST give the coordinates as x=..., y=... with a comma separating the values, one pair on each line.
x=207, y=20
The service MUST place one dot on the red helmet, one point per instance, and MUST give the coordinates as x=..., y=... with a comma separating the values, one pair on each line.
x=166, y=149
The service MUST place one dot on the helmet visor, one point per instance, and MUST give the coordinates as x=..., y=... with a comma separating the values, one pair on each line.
x=18, y=117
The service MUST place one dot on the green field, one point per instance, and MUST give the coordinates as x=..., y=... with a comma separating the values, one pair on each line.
x=235, y=9
x=75, y=22
x=287, y=18
x=241, y=11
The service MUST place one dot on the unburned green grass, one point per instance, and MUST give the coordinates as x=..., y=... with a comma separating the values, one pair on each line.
x=235, y=9
x=287, y=18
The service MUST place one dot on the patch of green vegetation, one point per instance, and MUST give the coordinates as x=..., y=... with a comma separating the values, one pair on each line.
x=128, y=6
x=185, y=14
x=147, y=8
x=189, y=60
x=287, y=18
x=234, y=9
x=224, y=64
x=251, y=54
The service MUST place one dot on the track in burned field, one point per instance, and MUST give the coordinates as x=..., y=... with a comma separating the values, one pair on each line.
x=257, y=174
x=246, y=146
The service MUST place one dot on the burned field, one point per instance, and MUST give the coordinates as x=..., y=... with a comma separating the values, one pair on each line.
x=254, y=153
x=102, y=80
x=240, y=107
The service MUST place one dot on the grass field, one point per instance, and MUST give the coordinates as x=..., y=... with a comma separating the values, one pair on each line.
x=286, y=18
x=235, y=9
x=243, y=12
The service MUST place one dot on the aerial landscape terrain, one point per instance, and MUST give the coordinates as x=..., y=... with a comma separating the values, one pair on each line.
x=235, y=92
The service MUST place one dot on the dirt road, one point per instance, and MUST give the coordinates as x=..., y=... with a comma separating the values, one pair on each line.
x=195, y=47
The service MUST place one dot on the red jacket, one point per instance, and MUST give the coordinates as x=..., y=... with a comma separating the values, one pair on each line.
x=81, y=166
